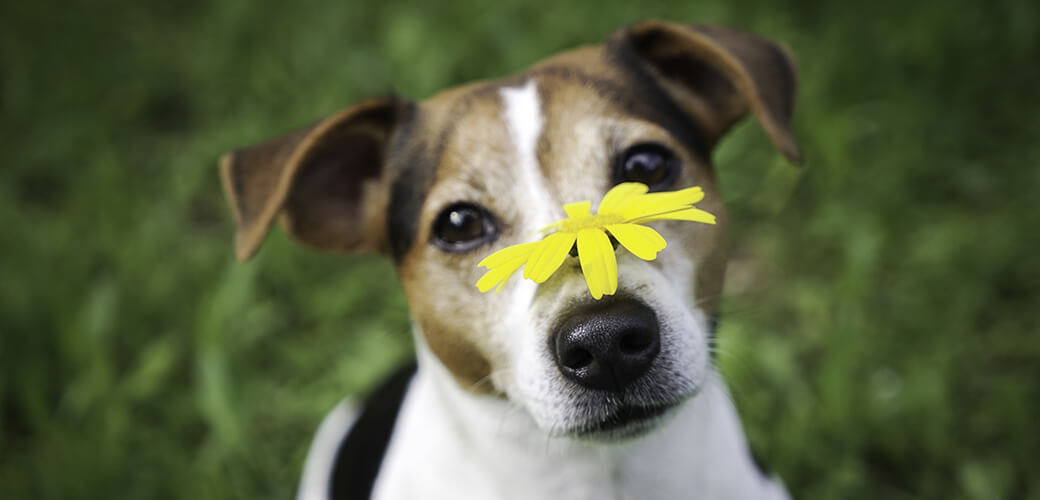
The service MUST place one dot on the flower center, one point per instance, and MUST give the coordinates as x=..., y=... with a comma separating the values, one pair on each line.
x=575, y=224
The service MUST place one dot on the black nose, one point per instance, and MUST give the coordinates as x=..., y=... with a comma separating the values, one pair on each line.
x=608, y=345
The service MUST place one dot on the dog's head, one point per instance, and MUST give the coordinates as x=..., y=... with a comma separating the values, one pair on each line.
x=438, y=185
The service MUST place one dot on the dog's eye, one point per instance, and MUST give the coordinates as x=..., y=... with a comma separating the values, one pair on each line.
x=649, y=163
x=462, y=227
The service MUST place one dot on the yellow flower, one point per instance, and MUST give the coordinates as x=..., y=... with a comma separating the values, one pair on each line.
x=621, y=212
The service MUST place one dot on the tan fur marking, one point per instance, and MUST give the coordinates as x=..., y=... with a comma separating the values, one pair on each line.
x=475, y=168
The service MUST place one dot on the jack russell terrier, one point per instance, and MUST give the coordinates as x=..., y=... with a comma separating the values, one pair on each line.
x=537, y=392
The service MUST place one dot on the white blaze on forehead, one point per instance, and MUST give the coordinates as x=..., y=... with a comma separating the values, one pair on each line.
x=523, y=116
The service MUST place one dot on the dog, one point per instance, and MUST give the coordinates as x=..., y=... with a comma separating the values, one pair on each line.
x=538, y=391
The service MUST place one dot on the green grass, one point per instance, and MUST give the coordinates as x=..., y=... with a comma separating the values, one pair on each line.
x=880, y=330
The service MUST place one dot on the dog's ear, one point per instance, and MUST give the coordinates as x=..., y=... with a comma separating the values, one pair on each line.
x=325, y=180
x=716, y=75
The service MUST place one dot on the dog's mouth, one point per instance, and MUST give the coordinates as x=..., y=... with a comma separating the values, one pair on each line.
x=626, y=422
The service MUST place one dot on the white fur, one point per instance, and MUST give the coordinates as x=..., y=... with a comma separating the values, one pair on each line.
x=451, y=444
x=317, y=470
x=522, y=111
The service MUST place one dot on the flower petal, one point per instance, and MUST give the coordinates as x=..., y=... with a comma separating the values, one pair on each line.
x=689, y=214
x=553, y=251
x=508, y=254
x=578, y=209
x=619, y=196
x=642, y=241
x=654, y=204
x=536, y=255
x=499, y=275
x=598, y=263
x=502, y=264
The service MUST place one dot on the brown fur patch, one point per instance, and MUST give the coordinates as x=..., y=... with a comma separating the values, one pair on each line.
x=472, y=166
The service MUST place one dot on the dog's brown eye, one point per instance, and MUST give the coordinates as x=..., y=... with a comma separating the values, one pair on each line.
x=462, y=227
x=652, y=164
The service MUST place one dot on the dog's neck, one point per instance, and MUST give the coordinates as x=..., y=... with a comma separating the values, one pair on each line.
x=461, y=445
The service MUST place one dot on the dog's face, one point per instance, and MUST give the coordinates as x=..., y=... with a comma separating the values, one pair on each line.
x=438, y=185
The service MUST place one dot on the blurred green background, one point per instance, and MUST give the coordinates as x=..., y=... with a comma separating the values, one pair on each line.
x=879, y=332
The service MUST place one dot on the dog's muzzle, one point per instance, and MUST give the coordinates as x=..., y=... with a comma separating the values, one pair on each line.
x=606, y=346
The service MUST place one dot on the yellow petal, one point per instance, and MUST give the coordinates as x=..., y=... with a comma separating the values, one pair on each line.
x=619, y=196
x=500, y=274
x=666, y=201
x=642, y=241
x=689, y=214
x=653, y=204
x=502, y=264
x=536, y=255
x=578, y=209
x=553, y=252
x=508, y=254
x=598, y=263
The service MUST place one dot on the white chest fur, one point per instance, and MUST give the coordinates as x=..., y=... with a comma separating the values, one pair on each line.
x=449, y=444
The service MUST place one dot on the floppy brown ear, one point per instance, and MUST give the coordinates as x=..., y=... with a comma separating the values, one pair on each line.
x=325, y=181
x=716, y=75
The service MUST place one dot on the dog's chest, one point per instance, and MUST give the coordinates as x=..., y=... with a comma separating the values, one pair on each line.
x=436, y=453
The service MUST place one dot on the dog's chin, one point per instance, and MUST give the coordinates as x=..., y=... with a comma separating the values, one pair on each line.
x=624, y=423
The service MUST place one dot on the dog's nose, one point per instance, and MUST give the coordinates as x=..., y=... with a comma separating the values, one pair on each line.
x=608, y=345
